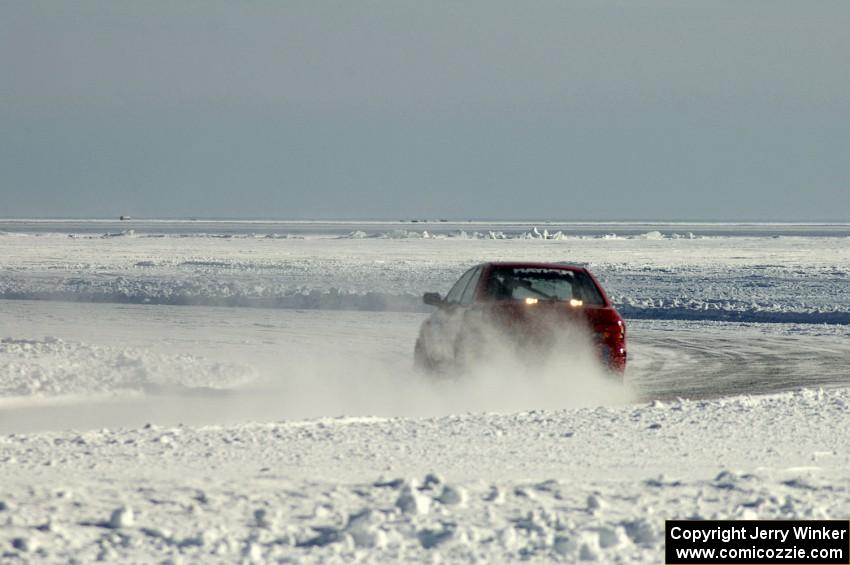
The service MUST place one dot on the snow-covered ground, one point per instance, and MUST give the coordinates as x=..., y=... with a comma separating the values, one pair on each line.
x=146, y=416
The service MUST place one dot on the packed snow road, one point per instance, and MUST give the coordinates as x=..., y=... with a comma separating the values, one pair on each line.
x=102, y=365
x=714, y=359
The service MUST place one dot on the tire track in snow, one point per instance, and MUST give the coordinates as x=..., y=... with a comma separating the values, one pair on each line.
x=726, y=360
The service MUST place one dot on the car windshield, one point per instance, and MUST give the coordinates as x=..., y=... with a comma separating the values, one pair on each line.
x=519, y=283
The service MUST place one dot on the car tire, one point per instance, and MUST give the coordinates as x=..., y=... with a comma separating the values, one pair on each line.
x=468, y=349
x=421, y=361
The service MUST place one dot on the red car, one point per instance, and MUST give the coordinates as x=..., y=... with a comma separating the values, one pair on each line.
x=524, y=301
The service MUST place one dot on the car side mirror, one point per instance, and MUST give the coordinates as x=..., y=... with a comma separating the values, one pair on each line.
x=432, y=299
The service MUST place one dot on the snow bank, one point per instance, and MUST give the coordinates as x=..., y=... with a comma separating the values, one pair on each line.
x=212, y=293
x=234, y=291
x=591, y=484
x=53, y=367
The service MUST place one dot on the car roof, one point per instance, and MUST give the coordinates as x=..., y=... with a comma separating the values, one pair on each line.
x=537, y=265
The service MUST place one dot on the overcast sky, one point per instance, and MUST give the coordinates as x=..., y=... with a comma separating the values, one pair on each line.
x=482, y=109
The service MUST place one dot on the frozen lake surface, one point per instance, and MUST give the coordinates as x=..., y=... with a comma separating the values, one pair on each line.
x=652, y=275
x=243, y=390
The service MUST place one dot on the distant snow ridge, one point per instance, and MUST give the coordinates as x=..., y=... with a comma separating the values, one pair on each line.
x=54, y=367
x=133, y=234
x=400, y=234
x=533, y=233
x=459, y=234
